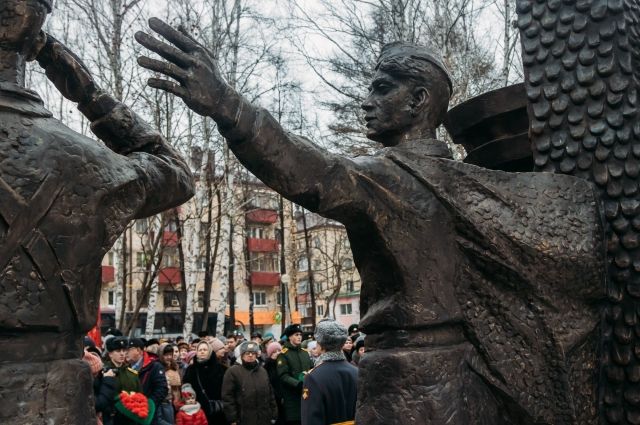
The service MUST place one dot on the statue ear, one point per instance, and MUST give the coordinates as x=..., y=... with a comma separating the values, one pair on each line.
x=38, y=44
x=420, y=100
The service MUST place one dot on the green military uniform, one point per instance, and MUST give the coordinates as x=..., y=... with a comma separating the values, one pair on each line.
x=126, y=377
x=126, y=380
x=293, y=363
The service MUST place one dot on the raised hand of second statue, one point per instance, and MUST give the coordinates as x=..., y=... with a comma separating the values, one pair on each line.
x=199, y=82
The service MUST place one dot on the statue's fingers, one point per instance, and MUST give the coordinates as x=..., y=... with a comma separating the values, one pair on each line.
x=168, y=86
x=168, y=52
x=176, y=37
x=167, y=68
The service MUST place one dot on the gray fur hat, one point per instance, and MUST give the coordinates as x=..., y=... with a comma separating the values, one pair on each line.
x=330, y=335
x=249, y=346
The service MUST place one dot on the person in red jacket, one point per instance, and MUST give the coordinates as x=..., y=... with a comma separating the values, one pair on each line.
x=190, y=413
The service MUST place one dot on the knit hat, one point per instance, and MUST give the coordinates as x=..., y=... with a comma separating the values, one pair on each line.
x=272, y=348
x=292, y=329
x=187, y=390
x=216, y=345
x=359, y=343
x=331, y=335
x=94, y=362
x=249, y=347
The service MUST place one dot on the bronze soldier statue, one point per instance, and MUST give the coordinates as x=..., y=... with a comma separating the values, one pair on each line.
x=64, y=199
x=480, y=287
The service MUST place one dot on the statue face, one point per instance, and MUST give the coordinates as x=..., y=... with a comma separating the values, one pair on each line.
x=21, y=23
x=388, y=108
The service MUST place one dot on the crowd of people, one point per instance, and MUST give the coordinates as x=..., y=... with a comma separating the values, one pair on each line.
x=301, y=378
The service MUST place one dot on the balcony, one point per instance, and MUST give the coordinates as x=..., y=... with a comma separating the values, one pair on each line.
x=262, y=245
x=108, y=273
x=265, y=278
x=169, y=276
x=262, y=216
x=169, y=238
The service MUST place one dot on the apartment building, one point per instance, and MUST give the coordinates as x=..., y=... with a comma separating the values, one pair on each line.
x=258, y=285
x=323, y=257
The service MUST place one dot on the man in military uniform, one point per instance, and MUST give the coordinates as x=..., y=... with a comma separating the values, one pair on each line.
x=329, y=391
x=126, y=377
x=292, y=364
x=64, y=200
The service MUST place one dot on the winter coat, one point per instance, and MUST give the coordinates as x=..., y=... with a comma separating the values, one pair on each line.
x=293, y=363
x=191, y=415
x=271, y=366
x=206, y=377
x=248, y=396
x=126, y=380
x=153, y=381
x=105, y=390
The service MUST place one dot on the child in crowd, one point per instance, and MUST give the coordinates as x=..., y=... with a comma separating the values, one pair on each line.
x=190, y=413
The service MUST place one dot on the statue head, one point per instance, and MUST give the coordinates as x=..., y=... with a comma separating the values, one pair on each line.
x=22, y=22
x=409, y=94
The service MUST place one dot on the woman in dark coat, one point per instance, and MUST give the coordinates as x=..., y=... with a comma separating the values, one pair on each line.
x=246, y=391
x=271, y=366
x=205, y=376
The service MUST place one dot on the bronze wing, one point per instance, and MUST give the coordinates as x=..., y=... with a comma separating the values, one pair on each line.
x=581, y=75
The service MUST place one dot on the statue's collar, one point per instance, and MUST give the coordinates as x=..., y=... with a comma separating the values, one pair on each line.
x=14, y=98
x=421, y=147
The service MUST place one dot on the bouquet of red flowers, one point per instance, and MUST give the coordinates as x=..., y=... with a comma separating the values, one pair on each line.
x=136, y=406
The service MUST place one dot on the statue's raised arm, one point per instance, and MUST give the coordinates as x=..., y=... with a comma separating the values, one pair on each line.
x=290, y=164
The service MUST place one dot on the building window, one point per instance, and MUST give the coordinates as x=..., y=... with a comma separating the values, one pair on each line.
x=142, y=259
x=347, y=263
x=317, y=264
x=346, y=309
x=171, y=226
x=259, y=298
x=303, y=264
x=111, y=298
x=303, y=286
x=257, y=232
x=200, y=299
x=109, y=258
x=318, y=287
x=171, y=298
x=170, y=257
x=263, y=262
x=349, y=286
x=142, y=225
x=279, y=298
x=317, y=243
x=320, y=310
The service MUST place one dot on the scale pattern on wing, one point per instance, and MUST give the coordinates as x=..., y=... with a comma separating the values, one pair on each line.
x=579, y=58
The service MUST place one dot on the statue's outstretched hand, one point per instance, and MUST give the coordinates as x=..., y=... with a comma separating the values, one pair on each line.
x=67, y=72
x=199, y=82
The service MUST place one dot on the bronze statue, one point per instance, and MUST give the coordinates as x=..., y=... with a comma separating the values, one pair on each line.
x=582, y=80
x=480, y=287
x=64, y=199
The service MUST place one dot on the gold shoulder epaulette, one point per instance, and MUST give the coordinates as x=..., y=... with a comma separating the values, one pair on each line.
x=132, y=370
x=284, y=350
x=304, y=349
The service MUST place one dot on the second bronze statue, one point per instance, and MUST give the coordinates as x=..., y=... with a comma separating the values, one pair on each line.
x=478, y=286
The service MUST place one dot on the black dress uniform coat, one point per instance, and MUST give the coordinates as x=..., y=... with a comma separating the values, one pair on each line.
x=329, y=394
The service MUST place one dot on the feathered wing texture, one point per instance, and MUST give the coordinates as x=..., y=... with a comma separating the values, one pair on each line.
x=582, y=68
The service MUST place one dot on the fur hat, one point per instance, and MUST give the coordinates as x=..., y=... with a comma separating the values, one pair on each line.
x=117, y=343
x=250, y=347
x=331, y=335
x=292, y=329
